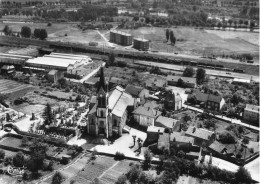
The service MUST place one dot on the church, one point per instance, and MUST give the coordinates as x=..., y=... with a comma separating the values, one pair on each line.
x=108, y=110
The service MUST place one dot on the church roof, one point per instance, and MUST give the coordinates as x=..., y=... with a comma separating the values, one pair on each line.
x=102, y=81
x=93, y=110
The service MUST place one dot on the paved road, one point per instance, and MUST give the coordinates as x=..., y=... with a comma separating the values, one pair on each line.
x=210, y=72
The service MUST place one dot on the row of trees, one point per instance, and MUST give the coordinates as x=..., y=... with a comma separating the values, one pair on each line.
x=26, y=32
x=200, y=74
x=170, y=35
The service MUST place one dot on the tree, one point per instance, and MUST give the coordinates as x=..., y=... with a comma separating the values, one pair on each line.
x=62, y=82
x=227, y=138
x=7, y=30
x=147, y=159
x=167, y=34
x=26, y=32
x=122, y=179
x=194, y=8
x=172, y=38
x=43, y=34
x=200, y=75
x=38, y=154
x=49, y=24
x=111, y=59
x=230, y=21
x=2, y=154
x=48, y=115
x=235, y=99
x=36, y=33
x=57, y=178
x=180, y=82
x=245, y=140
x=242, y=175
x=188, y=72
x=19, y=159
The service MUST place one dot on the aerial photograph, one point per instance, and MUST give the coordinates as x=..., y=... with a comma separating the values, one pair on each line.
x=129, y=92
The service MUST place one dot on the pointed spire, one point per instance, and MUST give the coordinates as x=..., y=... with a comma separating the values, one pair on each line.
x=102, y=83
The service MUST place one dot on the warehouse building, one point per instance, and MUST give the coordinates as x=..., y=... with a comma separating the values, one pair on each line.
x=59, y=61
x=121, y=38
x=13, y=59
x=141, y=44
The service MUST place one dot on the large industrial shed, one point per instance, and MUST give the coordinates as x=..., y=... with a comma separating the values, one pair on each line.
x=13, y=59
x=58, y=61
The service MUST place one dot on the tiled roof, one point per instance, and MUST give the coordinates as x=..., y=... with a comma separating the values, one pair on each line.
x=133, y=90
x=179, y=137
x=93, y=110
x=199, y=133
x=214, y=98
x=165, y=122
x=146, y=111
x=52, y=72
x=164, y=141
x=155, y=129
x=124, y=101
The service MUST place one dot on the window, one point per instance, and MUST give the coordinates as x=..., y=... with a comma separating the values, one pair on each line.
x=92, y=122
x=115, y=122
x=101, y=114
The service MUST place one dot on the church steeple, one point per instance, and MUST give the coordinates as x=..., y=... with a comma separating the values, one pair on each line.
x=102, y=83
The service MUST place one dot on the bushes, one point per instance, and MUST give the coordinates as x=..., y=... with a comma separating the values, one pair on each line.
x=119, y=156
x=227, y=138
x=2, y=154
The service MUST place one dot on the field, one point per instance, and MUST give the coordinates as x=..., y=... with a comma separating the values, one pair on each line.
x=104, y=169
x=191, y=41
x=11, y=141
x=13, y=89
x=196, y=41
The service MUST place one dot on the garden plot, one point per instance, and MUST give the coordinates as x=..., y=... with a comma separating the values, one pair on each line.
x=9, y=87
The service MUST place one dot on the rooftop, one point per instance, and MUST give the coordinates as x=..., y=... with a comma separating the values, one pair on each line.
x=162, y=121
x=180, y=137
x=133, y=90
x=155, y=129
x=141, y=39
x=146, y=111
x=199, y=133
x=252, y=108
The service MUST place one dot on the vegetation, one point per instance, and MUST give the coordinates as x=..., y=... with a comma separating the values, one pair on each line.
x=7, y=30
x=48, y=115
x=26, y=32
x=19, y=160
x=200, y=75
x=40, y=33
x=119, y=156
x=188, y=72
x=227, y=138
x=57, y=178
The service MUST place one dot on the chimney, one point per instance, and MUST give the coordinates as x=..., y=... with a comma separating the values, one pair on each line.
x=194, y=129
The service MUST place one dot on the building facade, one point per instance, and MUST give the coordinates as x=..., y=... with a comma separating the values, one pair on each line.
x=121, y=38
x=141, y=44
x=108, y=113
x=251, y=113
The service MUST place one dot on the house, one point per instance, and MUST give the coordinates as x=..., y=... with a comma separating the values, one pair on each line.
x=172, y=124
x=137, y=92
x=176, y=140
x=189, y=82
x=215, y=102
x=208, y=101
x=55, y=75
x=7, y=69
x=108, y=114
x=114, y=81
x=251, y=113
x=145, y=116
x=172, y=101
x=153, y=134
x=155, y=83
x=202, y=137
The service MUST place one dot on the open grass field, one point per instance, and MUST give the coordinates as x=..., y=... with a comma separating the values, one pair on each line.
x=197, y=41
x=11, y=141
